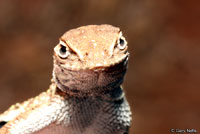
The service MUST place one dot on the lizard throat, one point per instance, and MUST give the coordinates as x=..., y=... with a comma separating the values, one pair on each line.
x=89, y=82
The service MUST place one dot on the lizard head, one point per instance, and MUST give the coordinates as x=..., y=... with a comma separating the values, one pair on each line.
x=91, y=49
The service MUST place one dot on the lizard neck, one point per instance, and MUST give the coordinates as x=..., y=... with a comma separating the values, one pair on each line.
x=114, y=94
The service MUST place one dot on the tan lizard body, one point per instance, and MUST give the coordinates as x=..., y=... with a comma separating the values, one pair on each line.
x=85, y=96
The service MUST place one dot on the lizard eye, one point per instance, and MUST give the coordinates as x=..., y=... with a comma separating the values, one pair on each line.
x=122, y=43
x=63, y=51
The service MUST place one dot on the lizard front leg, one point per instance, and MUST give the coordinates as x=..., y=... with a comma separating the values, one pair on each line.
x=14, y=111
x=36, y=118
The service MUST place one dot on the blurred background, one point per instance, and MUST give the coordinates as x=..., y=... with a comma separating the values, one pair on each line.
x=163, y=79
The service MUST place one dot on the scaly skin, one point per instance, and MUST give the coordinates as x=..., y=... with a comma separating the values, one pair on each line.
x=85, y=96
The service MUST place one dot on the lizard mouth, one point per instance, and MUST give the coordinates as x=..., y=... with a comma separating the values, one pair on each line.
x=76, y=64
x=123, y=59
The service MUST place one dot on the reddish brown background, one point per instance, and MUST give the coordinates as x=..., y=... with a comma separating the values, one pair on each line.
x=162, y=82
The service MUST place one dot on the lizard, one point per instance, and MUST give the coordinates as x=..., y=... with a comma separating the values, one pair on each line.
x=85, y=95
